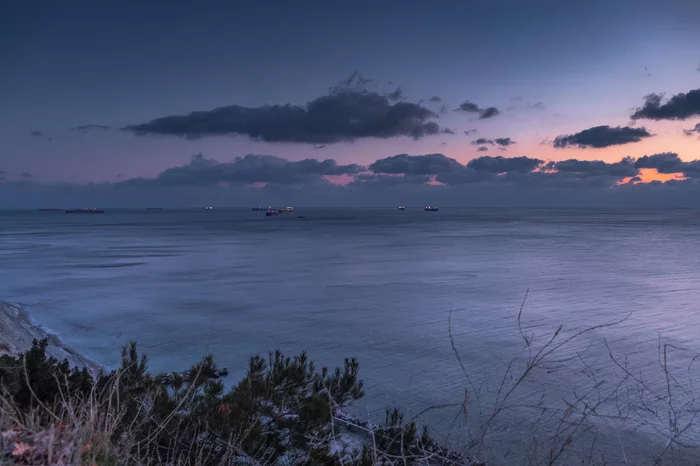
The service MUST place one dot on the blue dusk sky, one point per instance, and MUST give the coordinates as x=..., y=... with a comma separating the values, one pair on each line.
x=126, y=102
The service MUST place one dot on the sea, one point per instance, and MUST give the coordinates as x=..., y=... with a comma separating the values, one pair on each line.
x=444, y=310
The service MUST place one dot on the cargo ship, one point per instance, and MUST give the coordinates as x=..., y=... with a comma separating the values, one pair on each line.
x=262, y=209
x=402, y=207
x=85, y=211
x=275, y=212
x=50, y=210
x=431, y=209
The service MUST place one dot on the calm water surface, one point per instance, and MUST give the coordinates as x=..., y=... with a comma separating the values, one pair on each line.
x=375, y=284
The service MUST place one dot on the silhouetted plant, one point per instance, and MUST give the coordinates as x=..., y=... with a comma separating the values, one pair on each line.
x=283, y=407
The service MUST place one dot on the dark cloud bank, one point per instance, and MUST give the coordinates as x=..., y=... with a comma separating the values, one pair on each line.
x=403, y=178
x=345, y=114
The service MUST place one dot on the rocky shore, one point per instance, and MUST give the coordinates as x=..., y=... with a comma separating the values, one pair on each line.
x=17, y=331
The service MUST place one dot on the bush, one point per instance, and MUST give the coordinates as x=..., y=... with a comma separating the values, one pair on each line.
x=284, y=411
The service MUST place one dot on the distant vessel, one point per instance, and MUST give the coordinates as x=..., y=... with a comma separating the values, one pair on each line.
x=275, y=212
x=431, y=209
x=209, y=208
x=154, y=208
x=402, y=207
x=262, y=209
x=85, y=211
x=50, y=210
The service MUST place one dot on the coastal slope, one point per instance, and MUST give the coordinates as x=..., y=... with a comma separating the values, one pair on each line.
x=17, y=331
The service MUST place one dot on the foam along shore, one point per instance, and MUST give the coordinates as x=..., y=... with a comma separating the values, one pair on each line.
x=17, y=331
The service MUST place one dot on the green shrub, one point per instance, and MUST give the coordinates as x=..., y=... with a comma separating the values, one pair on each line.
x=281, y=412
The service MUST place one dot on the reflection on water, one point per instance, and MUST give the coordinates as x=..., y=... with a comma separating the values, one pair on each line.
x=374, y=284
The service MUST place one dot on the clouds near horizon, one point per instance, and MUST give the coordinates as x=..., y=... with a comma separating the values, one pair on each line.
x=530, y=180
x=249, y=169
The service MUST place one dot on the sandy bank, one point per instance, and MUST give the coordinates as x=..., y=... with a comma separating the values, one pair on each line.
x=17, y=331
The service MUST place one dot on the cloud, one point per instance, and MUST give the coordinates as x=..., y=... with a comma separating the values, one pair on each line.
x=343, y=115
x=694, y=130
x=470, y=131
x=435, y=98
x=679, y=107
x=484, y=113
x=447, y=131
x=585, y=168
x=450, y=171
x=252, y=168
x=404, y=164
x=469, y=107
x=482, y=149
x=503, y=142
x=489, y=113
x=376, y=180
x=669, y=162
x=536, y=106
x=39, y=134
x=396, y=95
x=501, y=164
x=484, y=181
x=85, y=128
x=666, y=162
x=602, y=136
x=482, y=141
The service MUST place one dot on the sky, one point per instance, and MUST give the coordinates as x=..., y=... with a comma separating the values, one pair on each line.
x=505, y=102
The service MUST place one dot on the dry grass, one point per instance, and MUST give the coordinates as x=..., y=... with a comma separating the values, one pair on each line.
x=286, y=412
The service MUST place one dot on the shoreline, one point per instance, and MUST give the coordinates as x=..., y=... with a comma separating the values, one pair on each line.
x=18, y=330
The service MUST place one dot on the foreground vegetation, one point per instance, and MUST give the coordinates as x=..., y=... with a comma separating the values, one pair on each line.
x=284, y=411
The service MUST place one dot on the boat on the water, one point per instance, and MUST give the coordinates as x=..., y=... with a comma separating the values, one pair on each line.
x=262, y=209
x=283, y=211
x=402, y=207
x=85, y=211
x=154, y=208
x=431, y=209
x=209, y=208
x=50, y=210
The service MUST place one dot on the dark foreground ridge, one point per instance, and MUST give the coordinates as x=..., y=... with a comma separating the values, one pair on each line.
x=284, y=411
